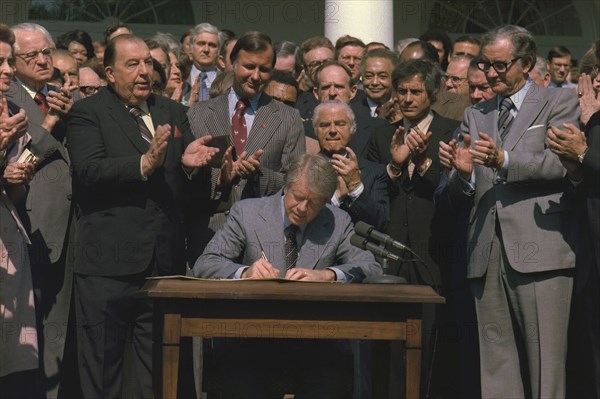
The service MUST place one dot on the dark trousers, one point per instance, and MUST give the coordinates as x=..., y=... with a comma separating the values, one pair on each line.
x=113, y=318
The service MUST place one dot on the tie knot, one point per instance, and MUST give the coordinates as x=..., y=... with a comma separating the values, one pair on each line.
x=39, y=98
x=203, y=75
x=135, y=112
x=241, y=105
x=292, y=229
x=506, y=104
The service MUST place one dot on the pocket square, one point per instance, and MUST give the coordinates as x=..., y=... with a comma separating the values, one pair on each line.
x=177, y=133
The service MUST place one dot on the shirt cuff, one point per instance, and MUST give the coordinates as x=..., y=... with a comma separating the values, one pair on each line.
x=238, y=272
x=354, y=194
x=502, y=173
x=339, y=275
x=468, y=186
x=144, y=177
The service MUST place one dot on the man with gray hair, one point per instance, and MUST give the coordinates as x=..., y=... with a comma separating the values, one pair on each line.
x=204, y=46
x=297, y=217
x=540, y=73
x=48, y=214
x=362, y=185
x=522, y=232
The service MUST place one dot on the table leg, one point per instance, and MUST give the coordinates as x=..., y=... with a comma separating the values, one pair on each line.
x=170, y=355
x=413, y=358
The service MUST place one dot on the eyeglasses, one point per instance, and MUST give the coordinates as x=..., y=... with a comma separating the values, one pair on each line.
x=89, y=90
x=316, y=64
x=30, y=56
x=455, y=79
x=499, y=66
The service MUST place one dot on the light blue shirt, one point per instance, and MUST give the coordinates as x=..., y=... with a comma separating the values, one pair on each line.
x=211, y=74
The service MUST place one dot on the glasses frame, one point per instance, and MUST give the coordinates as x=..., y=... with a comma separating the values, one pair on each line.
x=456, y=81
x=485, y=66
x=32, y=55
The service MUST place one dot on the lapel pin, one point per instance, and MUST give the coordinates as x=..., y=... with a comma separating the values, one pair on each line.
x=264, y=125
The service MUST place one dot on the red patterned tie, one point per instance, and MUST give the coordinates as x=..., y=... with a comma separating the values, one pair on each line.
x=378, y=111
x=238, y=126
x=40, y=100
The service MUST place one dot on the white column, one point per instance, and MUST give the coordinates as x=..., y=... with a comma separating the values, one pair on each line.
x=369, y=20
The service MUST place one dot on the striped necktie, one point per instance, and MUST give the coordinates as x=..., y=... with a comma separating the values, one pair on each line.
x=203, y=86
x=42, y=103
x=136, y=113
x=505, y=118
x=291, y=246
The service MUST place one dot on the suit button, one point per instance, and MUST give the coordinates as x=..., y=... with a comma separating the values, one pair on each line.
x=410, y=197
x=493, y=211
x=69, y=196
x=227, y=212
x=405, y=224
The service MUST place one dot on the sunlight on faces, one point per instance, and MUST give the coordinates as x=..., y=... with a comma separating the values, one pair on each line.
x=457, y=70
x=333, y=129
x=314, y=58
x=78, y=51
x=334, y=84
x=205, y=50
x=67, y=67
x=377, y=79
x=479, y=88
x=37, y=71
x=6, y=66
x=560, y=68
x=464, y=48
x=130, y=75
x=287, y=94
x=413, y=99
x=252, y=71
x=287, y=64
x=351, y=57
x=300, y=203
x=509, y=82
x=120, y=31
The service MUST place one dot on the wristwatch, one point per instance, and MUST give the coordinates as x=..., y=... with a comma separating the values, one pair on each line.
x=582, y=155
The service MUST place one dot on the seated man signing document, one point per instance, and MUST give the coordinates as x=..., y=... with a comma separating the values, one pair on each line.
x=294, y=235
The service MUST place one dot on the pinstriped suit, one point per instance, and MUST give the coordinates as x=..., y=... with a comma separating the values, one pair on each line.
x=277, y=129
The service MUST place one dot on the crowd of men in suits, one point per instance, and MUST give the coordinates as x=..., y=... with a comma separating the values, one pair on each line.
x=174, y=157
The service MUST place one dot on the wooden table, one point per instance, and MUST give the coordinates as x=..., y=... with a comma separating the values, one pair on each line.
x=274, y=309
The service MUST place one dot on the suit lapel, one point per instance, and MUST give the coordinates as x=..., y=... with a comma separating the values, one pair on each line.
x=315, y=242
x=125, y=121
x=270, y=233
x=220, y=124
x=530, y=109
x=265, y=124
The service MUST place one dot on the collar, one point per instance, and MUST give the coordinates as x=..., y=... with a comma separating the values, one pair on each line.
x=30, y=91
x=517, y=98
x=234, y=98
x=143, y=106
x=423, y=125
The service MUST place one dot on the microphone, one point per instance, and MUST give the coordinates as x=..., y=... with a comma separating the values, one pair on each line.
x=366, y=230
x=364, y=243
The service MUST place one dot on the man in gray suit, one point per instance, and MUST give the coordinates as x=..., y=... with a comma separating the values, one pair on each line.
x=263, y=137
x=521, y=237
x=296, y=235
x=252, y=244
x=47, y=211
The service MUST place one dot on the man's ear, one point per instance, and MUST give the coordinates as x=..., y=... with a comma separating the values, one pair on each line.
x=527, y=63
x=108, y=70
x=353, y=91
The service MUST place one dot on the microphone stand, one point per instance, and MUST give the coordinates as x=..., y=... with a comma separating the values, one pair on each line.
x=384, y=278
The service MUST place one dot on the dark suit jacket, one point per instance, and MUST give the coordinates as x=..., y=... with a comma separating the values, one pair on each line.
x=413, y=218
x=124, y=220
x=372, y=205
x=47, y=207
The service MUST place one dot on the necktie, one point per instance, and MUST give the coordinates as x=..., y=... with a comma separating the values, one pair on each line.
x=40, y=100
x=238, y=126
x=291, y=247
x=203, y=87
x=505, y=118
x=136, y=113
x=377, y=111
